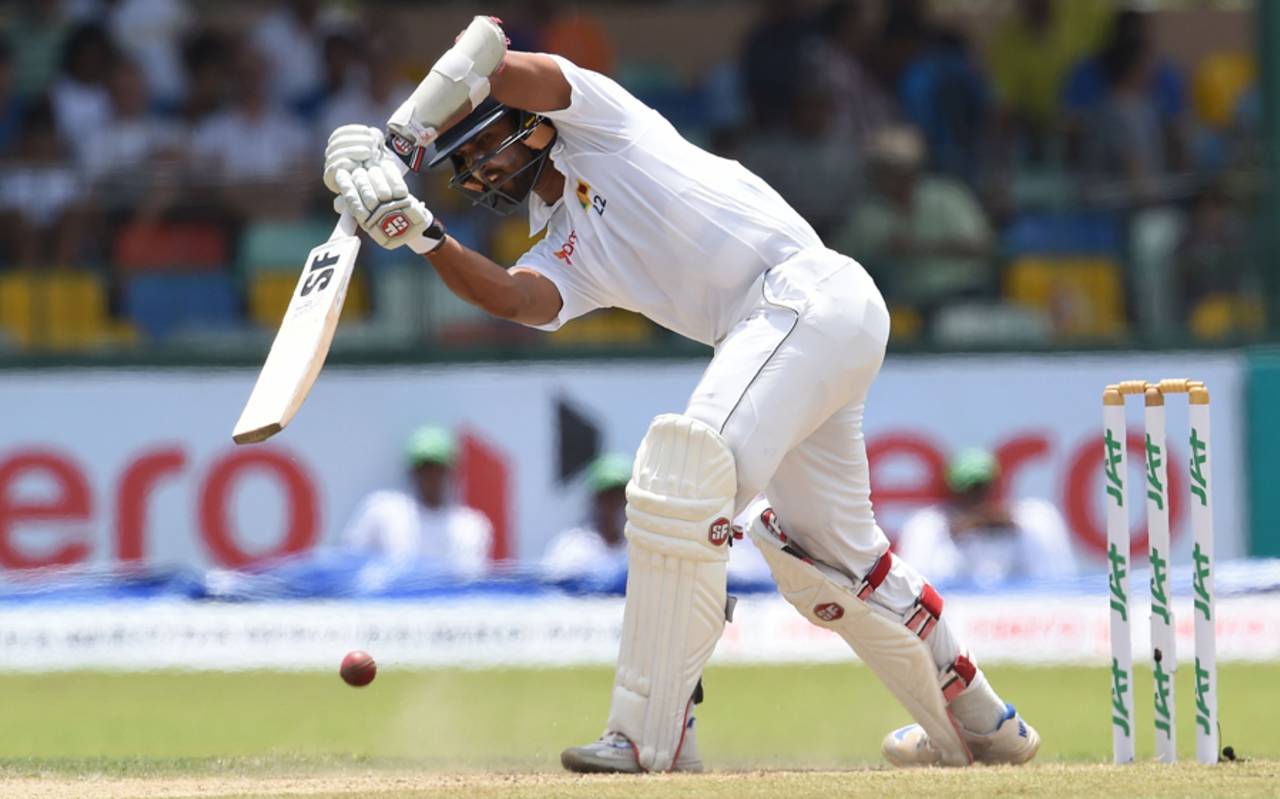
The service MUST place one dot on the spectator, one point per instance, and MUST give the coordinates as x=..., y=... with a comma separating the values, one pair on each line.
x=424, y=528
x=41, y=198
x=370, y=101
x=597, y=550
x=10, y=104
x=80, y=99
x=944, y=93
x=36, y=35
x=1213, y=262
x=150, y=33
x=290, y=38
x=925, y=237
x=860, y=107
x=136, y=151
x=1029, y=55
x=1128, y=107
x=257, y=180
x=598, y=547
x=771, y=62
x=343, y=68
x=817, y=170
x=976, y=534
x=207, y=64
x=579, y=37
x=903, y=36
x=549, y=26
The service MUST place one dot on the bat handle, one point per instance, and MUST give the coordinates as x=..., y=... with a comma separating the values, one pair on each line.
x=346, y=226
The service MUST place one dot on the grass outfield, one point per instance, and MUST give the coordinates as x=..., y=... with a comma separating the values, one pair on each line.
x=445, y=733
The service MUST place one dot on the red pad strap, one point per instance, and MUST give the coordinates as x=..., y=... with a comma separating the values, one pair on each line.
x=879, y=571
x=923, y=617
x=958, y=676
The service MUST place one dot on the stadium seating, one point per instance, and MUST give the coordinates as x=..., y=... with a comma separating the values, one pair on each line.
x=985, y=324
x=905, y=322
x=510, y=239
x=269, y=294
x=1221, y=317
x=147, y=246
x=610, y=326
x=1042, y=233
x=1217, y=85
x=161, y=304
x=1083, y=295
x=62, y=309
x=280, y=246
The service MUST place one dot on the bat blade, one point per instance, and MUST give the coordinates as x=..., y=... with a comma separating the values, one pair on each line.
x=302, y=342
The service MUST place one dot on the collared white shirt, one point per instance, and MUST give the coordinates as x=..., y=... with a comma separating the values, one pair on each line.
x=1037, y=547
x=582, y=552
x=395, y=525
x=651, y=223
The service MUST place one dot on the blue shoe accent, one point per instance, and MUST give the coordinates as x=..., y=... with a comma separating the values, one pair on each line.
x=1010, y=712
x=901, y=732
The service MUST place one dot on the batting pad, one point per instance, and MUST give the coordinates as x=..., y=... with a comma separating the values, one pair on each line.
x=890, y=645
x=679, y=511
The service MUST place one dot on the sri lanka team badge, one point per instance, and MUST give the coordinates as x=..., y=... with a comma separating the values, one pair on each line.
x=589, y=200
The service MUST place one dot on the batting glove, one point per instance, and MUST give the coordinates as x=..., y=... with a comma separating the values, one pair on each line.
x=376, y=196
x=349, y=147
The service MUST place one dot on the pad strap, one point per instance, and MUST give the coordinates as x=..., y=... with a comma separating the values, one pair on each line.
x=957, y=677
x=875, y=576
x=924, y=614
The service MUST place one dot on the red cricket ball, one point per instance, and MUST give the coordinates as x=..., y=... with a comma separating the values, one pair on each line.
x=358, y=669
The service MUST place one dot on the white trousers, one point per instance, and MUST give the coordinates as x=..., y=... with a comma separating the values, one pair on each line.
x=786, y=389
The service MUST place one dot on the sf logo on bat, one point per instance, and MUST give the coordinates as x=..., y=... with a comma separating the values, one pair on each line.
x=319, y=273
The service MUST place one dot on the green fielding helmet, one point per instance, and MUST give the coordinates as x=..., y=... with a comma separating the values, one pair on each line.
x=971, y=468
x=431, y=444
x=608, y=471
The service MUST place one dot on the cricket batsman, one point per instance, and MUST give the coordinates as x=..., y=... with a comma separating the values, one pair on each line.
x=636, y=217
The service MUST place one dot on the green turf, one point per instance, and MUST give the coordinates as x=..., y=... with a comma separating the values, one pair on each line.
x=829, y=716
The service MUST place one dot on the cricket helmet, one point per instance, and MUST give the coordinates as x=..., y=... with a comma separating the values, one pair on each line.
x=497, y=197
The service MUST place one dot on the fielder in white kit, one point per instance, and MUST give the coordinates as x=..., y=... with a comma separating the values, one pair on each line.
x=638, y=218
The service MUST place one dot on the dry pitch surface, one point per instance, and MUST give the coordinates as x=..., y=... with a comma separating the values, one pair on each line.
x=1238, y=780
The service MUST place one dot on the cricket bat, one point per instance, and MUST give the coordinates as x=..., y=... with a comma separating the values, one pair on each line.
x=302, y=343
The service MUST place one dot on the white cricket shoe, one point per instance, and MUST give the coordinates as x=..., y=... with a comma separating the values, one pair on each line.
x=614, y=753
x=1014, y=742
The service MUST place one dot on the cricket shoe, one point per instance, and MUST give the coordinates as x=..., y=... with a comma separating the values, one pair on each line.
x=1012, y=743
x=614, y=753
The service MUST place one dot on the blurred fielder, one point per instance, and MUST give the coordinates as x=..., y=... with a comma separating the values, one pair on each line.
x=638, y=218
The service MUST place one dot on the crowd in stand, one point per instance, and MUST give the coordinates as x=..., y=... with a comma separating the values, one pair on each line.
x=1063, y=180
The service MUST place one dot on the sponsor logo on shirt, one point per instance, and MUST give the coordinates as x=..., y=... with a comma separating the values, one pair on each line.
x=565, y=253
x=589, y=200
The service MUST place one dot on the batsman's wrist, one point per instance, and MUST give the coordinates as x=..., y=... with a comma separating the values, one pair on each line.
x=430, y=240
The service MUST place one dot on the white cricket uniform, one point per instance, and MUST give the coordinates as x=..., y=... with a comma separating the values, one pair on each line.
x=1036, y=547
x=396, y=526
x=700, y=245
x=582, y=552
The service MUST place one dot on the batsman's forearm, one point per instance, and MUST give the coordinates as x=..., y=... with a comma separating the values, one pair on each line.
x=478, y=280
